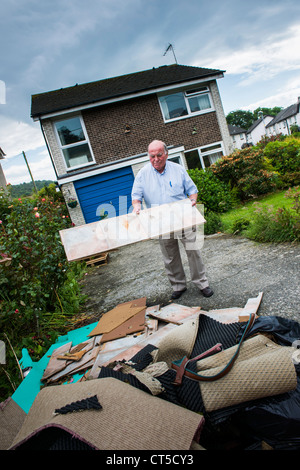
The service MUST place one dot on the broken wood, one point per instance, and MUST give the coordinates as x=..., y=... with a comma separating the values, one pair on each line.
x=118, y=315
x=101, y=260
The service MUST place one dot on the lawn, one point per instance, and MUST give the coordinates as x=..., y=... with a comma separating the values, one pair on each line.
x=236, y=216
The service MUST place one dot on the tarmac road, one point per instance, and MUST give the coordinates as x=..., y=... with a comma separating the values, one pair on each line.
x=237, y=269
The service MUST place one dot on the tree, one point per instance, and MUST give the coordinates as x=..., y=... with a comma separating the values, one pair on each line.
x=240, y=118
x=266, y=111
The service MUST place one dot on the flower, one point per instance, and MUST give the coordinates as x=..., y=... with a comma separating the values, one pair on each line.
x=17, y=310
x=0, y=221
x=35, y=208
x=37, y=214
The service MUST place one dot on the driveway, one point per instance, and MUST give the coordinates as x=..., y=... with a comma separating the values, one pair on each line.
x=237, y=268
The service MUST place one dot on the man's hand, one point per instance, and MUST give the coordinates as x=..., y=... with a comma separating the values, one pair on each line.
x=193, y=199
x=136, y=207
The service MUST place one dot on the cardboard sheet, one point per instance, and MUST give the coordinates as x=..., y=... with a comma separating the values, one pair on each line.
x=118, y=315
x=108, y=234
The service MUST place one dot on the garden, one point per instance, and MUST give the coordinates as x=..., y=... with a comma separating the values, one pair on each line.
x=253, y=192
x=39, y=289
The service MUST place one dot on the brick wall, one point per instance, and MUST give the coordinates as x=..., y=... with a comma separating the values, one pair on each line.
x=107, y=125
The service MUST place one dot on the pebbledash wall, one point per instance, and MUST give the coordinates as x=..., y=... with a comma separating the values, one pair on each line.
x=120, y=133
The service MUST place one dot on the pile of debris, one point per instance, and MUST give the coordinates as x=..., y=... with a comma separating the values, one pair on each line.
x=125, y=330
x=139, y=361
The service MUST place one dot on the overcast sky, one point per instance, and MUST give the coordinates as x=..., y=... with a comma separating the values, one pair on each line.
x=46, y=45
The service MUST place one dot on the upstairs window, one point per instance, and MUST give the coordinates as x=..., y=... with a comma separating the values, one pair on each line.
x=73, y=142
x=185, y=103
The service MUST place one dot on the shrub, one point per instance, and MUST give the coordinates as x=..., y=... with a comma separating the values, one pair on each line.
x=213, y=193
x=285, y=155
x=39, y=292
x=213, y=223
x=282, y=225
x=248, y=171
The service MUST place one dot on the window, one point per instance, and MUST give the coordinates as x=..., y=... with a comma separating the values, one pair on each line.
x=185, y=103
x=203, y=157
x=73, y=142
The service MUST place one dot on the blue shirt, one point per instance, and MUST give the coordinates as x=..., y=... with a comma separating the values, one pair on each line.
x=173, y=184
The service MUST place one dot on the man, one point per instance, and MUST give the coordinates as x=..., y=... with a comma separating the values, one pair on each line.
x=162, y=182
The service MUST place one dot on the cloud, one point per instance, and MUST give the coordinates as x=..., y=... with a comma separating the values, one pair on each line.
x=286, y=95
x=16, y=137
x=262, y=61
x=16, y=170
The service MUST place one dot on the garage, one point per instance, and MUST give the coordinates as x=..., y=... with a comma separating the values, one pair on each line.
x=107, y=194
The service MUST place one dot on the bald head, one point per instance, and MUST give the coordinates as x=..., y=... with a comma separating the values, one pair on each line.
x=158, y=154
x=156, y=143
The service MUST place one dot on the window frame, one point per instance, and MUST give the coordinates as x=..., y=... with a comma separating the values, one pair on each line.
x=75, y=144
x=187, y=93
x=202, y=152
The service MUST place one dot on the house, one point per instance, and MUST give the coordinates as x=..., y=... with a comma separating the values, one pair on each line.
x=238, y=136
x=2, y=177
x=281, y=124
x=97, y=133
x=258, y=129
x=242, y=138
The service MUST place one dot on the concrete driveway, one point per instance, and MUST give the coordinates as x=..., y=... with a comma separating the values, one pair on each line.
x=237, y=268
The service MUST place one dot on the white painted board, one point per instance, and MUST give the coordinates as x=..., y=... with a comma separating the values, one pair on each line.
x=108, y=234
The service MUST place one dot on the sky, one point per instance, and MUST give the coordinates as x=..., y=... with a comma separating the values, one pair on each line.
x=47, y=45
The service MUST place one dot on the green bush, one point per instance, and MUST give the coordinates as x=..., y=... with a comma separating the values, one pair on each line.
x=284, y=156
x=214, y=194
x=39, y=292
x=213, y=223
x=247, y=171
x=281, y=225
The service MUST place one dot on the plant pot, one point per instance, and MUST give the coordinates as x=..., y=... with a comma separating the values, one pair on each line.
x=72, y=204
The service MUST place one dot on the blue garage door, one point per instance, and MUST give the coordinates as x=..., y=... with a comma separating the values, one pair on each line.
x=108, y=193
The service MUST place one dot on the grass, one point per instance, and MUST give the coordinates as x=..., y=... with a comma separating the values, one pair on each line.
x=240, y=217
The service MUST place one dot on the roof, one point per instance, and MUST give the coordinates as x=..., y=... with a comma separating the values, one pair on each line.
x=256, y=123
x=2, y=154
x=285, y=114
x=233, y=130
x=94, y=92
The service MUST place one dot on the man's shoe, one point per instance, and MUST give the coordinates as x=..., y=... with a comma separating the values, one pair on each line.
x=177, y=293
x=207, y=292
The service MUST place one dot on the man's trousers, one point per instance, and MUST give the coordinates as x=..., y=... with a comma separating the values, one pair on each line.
x=173, y=263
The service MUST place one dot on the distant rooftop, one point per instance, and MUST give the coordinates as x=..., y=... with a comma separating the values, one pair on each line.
x=94, y=92
x=285, y=114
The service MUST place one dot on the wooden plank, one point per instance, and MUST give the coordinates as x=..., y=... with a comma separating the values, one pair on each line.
x=98, y=259
x=118, y=315
x=174, y=313
x=55, y=365
x=108, y=234
x=133, y=325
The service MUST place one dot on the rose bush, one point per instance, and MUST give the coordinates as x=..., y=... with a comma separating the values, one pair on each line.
x=39, y=291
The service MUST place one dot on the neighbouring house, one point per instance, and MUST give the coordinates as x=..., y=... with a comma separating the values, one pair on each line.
x=2, y=177
x=258, y=129
x=238, y=136
x=97, y=133
x=281, y=124
x=242, y=138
